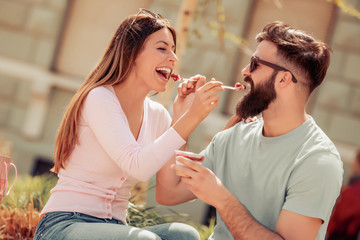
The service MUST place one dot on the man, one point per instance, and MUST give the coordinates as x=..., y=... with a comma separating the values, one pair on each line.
x=345, y=221
x=277, y=177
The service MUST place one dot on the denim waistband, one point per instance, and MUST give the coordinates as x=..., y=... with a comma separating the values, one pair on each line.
x=84, y=217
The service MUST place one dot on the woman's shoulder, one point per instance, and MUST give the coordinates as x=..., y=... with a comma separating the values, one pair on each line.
x=101, y=94
x=101, y=91
x=99, y=97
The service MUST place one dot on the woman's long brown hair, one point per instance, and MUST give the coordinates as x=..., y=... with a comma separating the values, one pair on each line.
x=113, y=68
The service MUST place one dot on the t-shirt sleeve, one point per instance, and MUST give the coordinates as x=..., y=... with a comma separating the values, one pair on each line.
x=314, y=186
x=209, y=155
x=103, y=113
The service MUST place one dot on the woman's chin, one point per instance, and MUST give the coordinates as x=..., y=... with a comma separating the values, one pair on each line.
x=156, y=91
x=161, y=89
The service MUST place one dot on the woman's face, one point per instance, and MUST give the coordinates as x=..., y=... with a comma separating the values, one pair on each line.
x=155, y=62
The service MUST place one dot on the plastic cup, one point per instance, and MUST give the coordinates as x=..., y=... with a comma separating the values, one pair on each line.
x=197, y=158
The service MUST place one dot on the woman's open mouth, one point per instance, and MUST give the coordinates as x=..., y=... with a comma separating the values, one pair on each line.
x=163, y=72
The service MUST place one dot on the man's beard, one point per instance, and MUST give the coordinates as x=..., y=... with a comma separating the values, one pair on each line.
x=258, y=99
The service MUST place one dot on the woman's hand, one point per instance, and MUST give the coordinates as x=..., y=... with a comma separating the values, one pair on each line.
x=193, y=108
x=232, y=121
x=205, y=98
x=185, y=96
x=235, y=119
x=188, y=86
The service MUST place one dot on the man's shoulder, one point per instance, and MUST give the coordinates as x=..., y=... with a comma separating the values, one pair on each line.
x=241, y=129
x=320, y=156
x=320, y=143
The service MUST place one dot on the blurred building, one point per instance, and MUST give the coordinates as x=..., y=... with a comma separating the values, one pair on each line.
x=48, y=47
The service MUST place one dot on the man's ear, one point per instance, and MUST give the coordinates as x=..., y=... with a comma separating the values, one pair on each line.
x=285, y=79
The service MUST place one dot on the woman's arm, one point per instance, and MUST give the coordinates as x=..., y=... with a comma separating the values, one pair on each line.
x=203, y=101
x=169, y=188
x=102, y=112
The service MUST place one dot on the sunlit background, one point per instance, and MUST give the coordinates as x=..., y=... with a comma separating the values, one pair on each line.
x=48, y=47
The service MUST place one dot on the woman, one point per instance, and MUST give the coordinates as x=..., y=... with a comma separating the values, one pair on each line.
x=113, y=136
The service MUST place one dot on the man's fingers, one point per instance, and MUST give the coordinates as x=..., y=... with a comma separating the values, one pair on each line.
x=183, y=171
x=189, y=163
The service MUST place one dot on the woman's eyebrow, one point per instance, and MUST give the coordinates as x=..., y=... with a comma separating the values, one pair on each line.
x=166, y=43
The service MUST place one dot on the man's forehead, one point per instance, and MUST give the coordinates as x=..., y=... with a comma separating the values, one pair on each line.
x=266, y=50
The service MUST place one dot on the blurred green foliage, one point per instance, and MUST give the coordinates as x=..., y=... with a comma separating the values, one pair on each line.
x=35, y=191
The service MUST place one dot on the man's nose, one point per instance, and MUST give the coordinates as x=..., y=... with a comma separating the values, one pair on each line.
x=246, y=71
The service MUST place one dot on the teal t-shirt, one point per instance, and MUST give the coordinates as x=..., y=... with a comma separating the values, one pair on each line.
x=300, y=171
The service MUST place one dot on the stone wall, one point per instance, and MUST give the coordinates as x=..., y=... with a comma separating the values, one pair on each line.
x=35, y=86
x=29, y=33
x=29, y=29
x=337, y=105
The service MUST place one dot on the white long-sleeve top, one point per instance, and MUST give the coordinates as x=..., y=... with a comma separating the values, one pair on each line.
x=108, y=161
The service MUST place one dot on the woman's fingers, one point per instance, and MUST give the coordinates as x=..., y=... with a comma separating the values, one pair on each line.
x=210, y=85
x=232, y=121
x=183, y=90
x=201, y=81
x=196, y=83
x=250, y=119
x=188, y=86
x=209, y=90
x=205, y=98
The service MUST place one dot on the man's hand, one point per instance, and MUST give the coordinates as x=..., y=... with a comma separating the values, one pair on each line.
x=202, y=182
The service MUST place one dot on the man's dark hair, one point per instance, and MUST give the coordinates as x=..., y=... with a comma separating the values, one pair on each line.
x=308, y=55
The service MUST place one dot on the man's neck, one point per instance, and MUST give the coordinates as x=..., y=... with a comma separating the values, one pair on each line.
x=281, y=120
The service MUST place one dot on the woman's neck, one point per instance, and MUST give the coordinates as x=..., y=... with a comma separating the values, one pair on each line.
x=131, y=100
x=130, y=96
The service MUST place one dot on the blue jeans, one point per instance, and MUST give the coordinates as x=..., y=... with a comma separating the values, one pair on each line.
x=78, y=226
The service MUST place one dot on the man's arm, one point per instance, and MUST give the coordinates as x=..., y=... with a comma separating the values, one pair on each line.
x=291, y=225
x=170, y=190
x=208, y=188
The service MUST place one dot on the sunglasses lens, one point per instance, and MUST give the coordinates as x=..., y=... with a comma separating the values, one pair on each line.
x=252, y=64
x=150, y=13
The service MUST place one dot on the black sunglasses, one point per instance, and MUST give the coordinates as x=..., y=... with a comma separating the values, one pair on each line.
x=148, y=13
x=145, y=12
x=255, y=60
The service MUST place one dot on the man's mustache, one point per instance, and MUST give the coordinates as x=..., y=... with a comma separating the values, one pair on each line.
x=249, y=80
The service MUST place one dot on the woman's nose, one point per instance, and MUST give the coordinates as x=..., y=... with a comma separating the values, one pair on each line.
x=172, y=57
